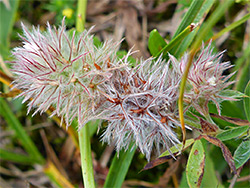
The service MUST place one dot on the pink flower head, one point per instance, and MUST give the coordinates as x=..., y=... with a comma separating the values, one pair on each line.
x=62, y=69
x=205, y=78
x=143, y=109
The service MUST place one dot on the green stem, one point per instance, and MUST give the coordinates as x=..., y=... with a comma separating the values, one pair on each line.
x=84, y=138
x=86, y=159
x=81, y=15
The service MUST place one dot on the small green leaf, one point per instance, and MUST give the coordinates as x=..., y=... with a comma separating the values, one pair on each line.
x=178, y=147
x=242, y=154
x=155, y=42
x=195, y=165
x=232, y=133
x=246, y=101
x=97, y=42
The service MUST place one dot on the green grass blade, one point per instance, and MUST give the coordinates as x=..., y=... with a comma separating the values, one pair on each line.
x=243, y=64
x=242, y=61
x=176, y=41
x=15, y=157
x=189, y=17
x=7, y=18
x=119, y=168
x=212, y=20
x=189, y=39
x=26, y=141
x=232, y=26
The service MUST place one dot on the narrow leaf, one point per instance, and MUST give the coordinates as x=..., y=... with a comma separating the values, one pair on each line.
x=15, y=157
x=225, y=151
x=7, y=20
x=166, y=156
x=232, y=133
x=242, y=154
x=236, y=121
x=203, y=11
x=211, y=21
x=189, y=17
x=242, y=68
x=233, y=94
x=119, y=168
x=178, y=147
x=26, y=141
x=177, y=40
x=232, y=26
x=195, y=165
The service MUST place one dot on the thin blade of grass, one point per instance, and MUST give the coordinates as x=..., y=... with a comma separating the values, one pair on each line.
x=26, y=141
x=178, y=51
x=189, y=17
x=119, y=168
x=212, y=20
x=15, y=157
x=231, y=26
x=7, y=19
x=177, y=40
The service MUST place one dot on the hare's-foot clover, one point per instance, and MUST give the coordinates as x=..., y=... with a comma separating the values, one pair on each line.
x=80, y=80
x=63, y=70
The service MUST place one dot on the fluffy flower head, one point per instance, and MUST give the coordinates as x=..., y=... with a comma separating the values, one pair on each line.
x=205, y=77
x=62, y=69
